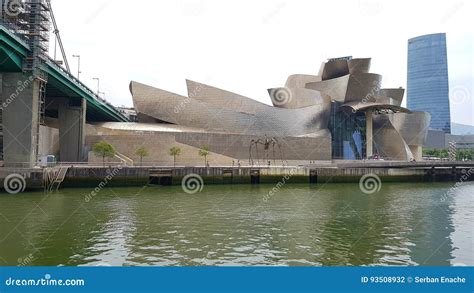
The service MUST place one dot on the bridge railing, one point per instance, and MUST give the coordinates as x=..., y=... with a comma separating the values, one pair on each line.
x=79, y=83
x=9, y=28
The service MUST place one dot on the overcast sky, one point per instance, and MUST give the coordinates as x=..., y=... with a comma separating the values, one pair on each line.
x=247, y=46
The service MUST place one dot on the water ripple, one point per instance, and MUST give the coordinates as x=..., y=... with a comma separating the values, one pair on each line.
x=405, y=224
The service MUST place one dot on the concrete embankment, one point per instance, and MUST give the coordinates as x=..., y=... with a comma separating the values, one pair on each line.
x=122, y=176
x=21, y=179
x=136, y=176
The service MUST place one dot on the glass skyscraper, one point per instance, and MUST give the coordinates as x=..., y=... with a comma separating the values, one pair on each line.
x=428, y=82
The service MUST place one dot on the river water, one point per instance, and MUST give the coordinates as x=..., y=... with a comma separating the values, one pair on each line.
x=330, y=225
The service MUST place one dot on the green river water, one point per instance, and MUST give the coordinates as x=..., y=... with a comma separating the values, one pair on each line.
x=330, y=225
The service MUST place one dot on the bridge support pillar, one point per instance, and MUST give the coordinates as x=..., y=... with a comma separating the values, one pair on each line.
x=72, y=119
x=20, y=114
x=369, y=134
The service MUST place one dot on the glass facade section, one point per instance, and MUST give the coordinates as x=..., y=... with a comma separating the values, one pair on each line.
x=348, y=132
x=428, y=83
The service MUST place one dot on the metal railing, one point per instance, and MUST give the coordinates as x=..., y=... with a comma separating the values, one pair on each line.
x=81, y=85
x=78, y=83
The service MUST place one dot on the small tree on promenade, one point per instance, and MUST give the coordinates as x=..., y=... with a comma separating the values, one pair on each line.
x=175, y=152
x=104, y=150
x=142, y=152
x=204, y=152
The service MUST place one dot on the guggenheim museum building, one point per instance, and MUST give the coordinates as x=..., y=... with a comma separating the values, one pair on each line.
x=342, y=113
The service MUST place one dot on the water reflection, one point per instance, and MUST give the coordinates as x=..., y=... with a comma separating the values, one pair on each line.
x=404, y=224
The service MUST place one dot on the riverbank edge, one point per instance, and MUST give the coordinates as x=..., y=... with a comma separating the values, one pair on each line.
x=123, y=176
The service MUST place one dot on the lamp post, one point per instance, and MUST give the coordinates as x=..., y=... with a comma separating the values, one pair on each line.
x=78, y=64
x=98, y=85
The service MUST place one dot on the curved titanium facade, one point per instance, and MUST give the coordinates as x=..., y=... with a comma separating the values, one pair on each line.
x=334, y=69
x=218, y=117
x=359, y=65
x=297, y=98
x=391, y=96
x=414, y=129
x=222, y=98
x=340, y=114
x=300, y=80
x=428, y=84
x=349, y=88
x=388, y=141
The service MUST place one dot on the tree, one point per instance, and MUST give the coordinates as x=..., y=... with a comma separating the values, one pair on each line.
x=174, y=152
x=103, y=149
x=142, y=152
x=465, y=154
x=204, y=152
x=461, y=154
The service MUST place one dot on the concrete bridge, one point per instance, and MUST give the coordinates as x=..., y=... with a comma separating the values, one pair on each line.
x=30, y=105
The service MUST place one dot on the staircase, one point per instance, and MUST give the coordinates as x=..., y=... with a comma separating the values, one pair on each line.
x=124, y=159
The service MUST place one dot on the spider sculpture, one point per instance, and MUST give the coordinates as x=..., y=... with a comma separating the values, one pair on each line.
x=266, y=143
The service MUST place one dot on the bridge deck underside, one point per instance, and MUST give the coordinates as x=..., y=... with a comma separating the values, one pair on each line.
x=54, y=89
